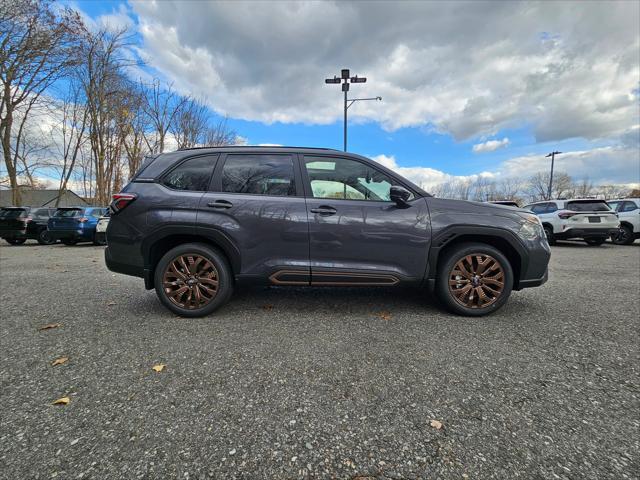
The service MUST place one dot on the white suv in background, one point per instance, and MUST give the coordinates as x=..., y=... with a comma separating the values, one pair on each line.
x=588, y=219
x=628, y=210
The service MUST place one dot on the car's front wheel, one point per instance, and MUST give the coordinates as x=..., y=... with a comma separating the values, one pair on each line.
x=474, y=279
x=44, y=237
x=594, y=242
x=548, y=231
x=193, y=280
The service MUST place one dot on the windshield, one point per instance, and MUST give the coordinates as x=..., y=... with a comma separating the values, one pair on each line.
x=68, y=212
x=589, y=206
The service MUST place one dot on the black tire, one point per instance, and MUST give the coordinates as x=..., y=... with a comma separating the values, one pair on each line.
x=100, y=241
x=15, y=241
x=548, y=231
x=44, y=238
x=70, y=242
x=220, y=266
x=458, y=253
x=624, y=236
x=595, y=242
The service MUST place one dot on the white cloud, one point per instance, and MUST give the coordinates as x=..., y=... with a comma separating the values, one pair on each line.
x=468, y=69
x=490, y=145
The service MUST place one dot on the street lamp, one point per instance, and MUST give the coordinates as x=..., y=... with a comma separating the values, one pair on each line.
x=553, y=157
x=344, y=79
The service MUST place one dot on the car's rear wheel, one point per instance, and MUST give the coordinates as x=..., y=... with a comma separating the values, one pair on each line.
x=594, y=242
x=69, y=241
x=193, y=280
x=623, y=237
x=474, y=279
x=548, y=231
x=44, y=237
x=15, y=241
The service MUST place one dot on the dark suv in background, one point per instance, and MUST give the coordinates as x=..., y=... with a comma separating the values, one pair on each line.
x=192, y=223
x=18, y=224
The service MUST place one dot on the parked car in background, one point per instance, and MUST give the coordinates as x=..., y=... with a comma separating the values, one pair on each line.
x=628, y=210
x=590, y=220
x=195, y=223
x=71, y=225
x=507, y=203
x=101, y=229
x=18, y=224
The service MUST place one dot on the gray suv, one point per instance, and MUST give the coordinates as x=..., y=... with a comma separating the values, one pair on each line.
x=194, y=223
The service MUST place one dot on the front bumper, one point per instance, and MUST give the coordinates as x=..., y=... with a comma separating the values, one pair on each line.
x=585, y=233
x=534, y=282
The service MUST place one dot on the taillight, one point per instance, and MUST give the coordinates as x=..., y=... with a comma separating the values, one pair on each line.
x=565, y=215
x=83, y=219
x=121, y=200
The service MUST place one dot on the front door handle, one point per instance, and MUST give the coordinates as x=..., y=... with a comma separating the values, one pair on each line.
x=220, y=204
x=324, y=210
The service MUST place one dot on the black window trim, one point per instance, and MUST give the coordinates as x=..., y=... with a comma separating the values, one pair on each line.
x=309, y=191
x=215, y=186
x=163, y=175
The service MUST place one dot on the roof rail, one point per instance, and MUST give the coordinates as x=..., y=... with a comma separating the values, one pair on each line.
x=257, y=146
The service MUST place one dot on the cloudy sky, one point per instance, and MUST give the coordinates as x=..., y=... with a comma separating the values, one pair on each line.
x=468, y=88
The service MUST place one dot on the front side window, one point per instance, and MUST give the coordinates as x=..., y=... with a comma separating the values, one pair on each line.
x=193, y=175
x=260, y=174
x=347, y=180
x=628, y=207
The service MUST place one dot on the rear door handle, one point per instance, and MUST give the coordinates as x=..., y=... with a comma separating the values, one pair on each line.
x=324, y=210
x=220, y=204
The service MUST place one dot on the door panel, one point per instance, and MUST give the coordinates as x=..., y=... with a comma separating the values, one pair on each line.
x=264, y=217
x=356, y=234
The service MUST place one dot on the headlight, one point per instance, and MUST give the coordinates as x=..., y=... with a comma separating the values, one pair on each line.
x=531, y=228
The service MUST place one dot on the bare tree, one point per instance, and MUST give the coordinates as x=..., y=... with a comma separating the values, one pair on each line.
x=134, y=127
x=37, y=47
x=510, y=188
x=538, y=185
x=190, y=124
x=220, y=135
x=161, y=105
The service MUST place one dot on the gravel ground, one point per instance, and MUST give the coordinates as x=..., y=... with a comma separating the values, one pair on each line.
x=318, y=383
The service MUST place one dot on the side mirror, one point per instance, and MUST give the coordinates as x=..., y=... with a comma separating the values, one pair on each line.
x=400, y=195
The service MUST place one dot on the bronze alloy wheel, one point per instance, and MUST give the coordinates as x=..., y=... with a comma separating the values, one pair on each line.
x=476, y=280
x=190, y=281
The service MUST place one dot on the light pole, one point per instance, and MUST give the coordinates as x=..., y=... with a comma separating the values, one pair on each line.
x=344, y=79
x=553, y=157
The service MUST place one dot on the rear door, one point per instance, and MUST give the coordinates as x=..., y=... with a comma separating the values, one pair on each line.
x=256, y=203
x=629, y=212
x=358, y=236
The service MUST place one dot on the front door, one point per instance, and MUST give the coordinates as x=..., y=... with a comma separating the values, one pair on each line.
x=257, y=202
x=357, y=235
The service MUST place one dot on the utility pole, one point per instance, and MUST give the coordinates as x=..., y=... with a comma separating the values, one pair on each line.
x=553, y=157
x=344, y=79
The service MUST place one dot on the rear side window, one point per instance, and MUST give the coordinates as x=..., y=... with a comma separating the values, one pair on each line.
x=68, y=212
x=259, y=175
x=551, y=207
x=539, y=208
x=589, y=206
x=194, y=174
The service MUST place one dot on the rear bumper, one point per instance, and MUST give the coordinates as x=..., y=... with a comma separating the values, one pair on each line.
x=585, y=233
x=79, y=235
x=124, y=268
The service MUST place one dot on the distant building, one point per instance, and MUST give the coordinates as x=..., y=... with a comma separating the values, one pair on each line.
x=41, y=198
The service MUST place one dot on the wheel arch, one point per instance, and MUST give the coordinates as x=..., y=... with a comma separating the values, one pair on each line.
x=154, y=249
x=627, y=224
x=503, y=240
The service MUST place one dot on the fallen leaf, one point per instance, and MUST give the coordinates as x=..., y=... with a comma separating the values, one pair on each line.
x=59, y=361
x=436, y=424
x=158, y=368
x=62, y=401
x=385, y=316
x=50, y=325
x=267, y=307
x=110, y=304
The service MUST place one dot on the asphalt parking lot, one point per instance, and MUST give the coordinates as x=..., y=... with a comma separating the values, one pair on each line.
x=318, y=383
